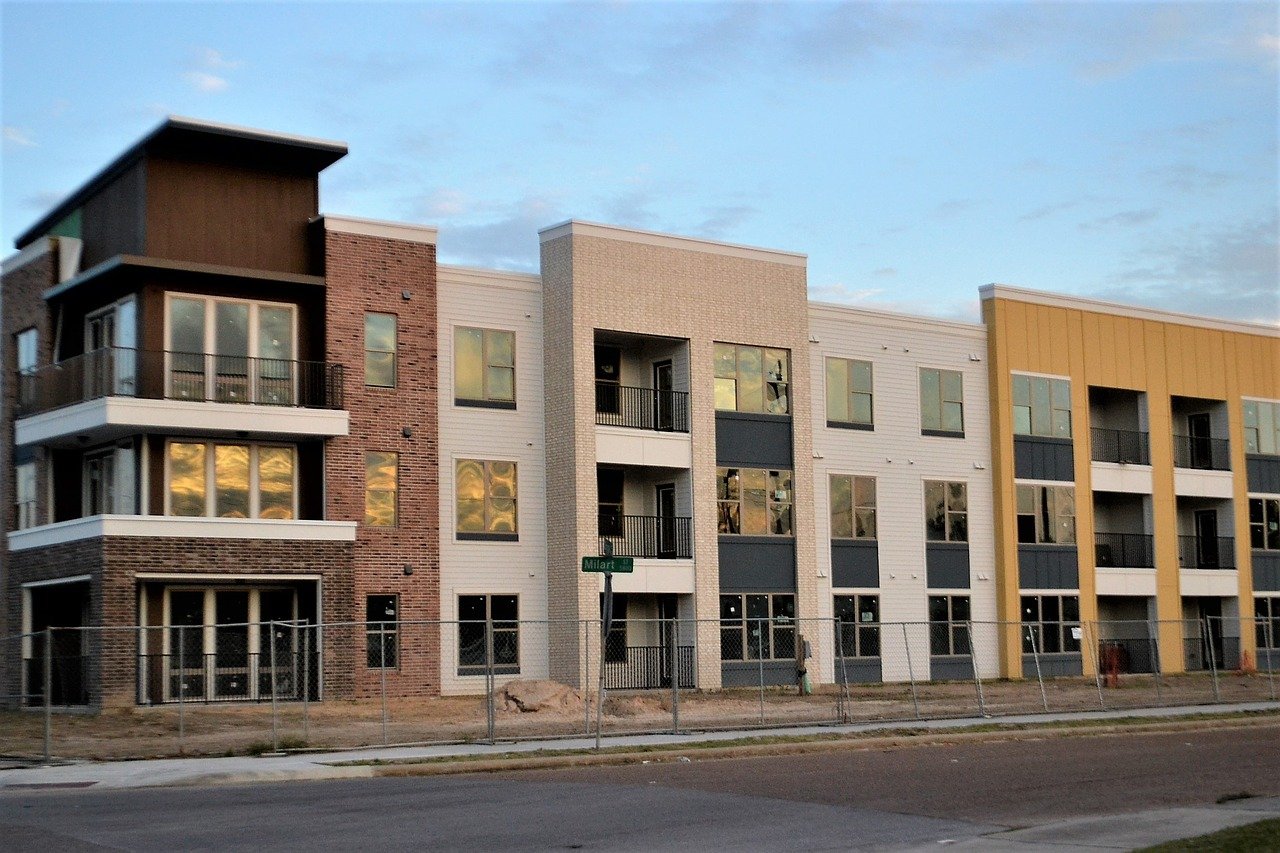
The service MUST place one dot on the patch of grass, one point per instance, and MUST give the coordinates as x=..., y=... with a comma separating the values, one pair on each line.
x=264, y=747
x=1263, y=835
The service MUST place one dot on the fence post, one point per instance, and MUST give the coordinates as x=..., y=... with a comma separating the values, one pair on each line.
x=586, y=678
x=600, y=689
x=977, y=678
x=382, y=675
x=1035, y=654
x=489, y=682
x=1213, y=656
x=275, y=704
x=911, y=671
x=1093, y=642
x=306, y=681
x=675, y=676
x=182, y=692
x=1153, y=633
x=48, y=695
x=844, y=672
x=1272, y=652
x=760, y=660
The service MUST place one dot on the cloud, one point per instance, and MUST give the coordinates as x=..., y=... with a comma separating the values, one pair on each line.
x=444, y=202
x=203, y=81
x=722, y=221
x=215, y=61
x=1189, y=179
x=43, y=200
x=18, y=136
x=964, y=310
x=1123, y=219
x=509, y=241
x=885, y=272
x=207, y=71
x=1221, y=272
x=1045, y=211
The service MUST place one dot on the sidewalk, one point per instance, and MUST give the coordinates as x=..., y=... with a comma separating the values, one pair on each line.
x=337, y=765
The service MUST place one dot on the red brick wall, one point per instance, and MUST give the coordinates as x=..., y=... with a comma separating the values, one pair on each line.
x=371, y=274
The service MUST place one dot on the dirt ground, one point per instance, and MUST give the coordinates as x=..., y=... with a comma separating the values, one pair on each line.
x=197, y=729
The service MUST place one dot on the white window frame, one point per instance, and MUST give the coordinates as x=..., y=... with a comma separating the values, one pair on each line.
x=211, y=331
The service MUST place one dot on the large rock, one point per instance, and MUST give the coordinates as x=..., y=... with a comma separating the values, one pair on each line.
x=529, y=695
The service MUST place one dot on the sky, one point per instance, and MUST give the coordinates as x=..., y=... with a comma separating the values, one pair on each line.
x=914, y=151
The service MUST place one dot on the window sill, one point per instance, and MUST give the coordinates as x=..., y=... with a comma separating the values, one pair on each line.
x=485, y=404
x=851, y=425
x=942, y=433
x=498, y=669
x=487, y=537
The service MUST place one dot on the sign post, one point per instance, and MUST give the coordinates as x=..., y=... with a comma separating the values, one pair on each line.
x=608, y=564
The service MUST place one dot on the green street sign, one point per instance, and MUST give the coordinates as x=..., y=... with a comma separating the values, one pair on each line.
x=622, y=565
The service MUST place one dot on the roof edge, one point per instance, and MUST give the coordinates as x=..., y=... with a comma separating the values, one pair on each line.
x=671, y=241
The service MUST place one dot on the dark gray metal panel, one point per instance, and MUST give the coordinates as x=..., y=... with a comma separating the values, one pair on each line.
x=1266, y=571
x=1058, y=665
x=753, y=441
x=1039, y=458
x=958, y=668
x=757, y=564
x=777, y=673
x=947, y=564
x=855, y=563
x=1048, y=567
x=858, y=671
x=1263, y=473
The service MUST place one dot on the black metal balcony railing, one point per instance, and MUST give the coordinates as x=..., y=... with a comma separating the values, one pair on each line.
x=665, y=538
x=1127, y=550
x=158, y=375
x=1207, y=552
x=1121, y=445
x=641, y=408
x=647, y=667
x=1206, y=454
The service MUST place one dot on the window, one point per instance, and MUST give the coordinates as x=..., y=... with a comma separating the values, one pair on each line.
x=486, y=495
x=109, y=482
x=946, y=512
x=853, y=507
x=941, y=402
x=1046, y=514
x=757, y=627
x=752, y=379
x=502, y=613
x=251, y=344
x=849, y=398
x=380, y=350
x=1264, y=524
x=382, y=631
x=1054, y=620
x=230, y=480
x=1266, y=611
x=949, y=625
x=484, y=367
x=381, y=488
x=25, y=342
x=1262, y=427
x=754, y=502
x=24, y=496
x=1041, y=406
x=609, y=495
x=858, y=621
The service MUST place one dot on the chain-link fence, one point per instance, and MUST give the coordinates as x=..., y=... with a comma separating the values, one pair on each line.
x=263, y=687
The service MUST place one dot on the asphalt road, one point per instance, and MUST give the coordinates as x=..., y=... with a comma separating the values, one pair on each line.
x=901, y=798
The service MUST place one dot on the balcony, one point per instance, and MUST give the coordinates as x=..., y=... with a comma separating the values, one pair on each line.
x=1207, y=552
x=111, y=392
x=647, y=536
x=1123, y=550
x=1124, y=446
x=641, y=408
x=1201, y=453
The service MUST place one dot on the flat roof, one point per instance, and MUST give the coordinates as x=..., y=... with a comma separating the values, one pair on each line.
x=182, y=136
x=670, y=241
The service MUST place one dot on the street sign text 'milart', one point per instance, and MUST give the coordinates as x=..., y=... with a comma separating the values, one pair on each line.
x=621, y=565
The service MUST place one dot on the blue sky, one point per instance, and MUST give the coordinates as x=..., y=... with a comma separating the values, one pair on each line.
x=1125, y=151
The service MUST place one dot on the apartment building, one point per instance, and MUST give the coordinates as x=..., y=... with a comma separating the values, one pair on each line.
x=223, y=408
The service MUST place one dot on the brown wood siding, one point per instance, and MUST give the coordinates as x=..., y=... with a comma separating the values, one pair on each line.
x=113, y=221
x=227, y=214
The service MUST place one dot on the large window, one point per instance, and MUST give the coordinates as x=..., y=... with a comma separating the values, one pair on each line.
x=858, y=626
x=757, y=627
x=946, y=511
x=853, y=507
x=484, y=367
x=1266, y=611
x=1041, y=406
x=24, y=496
x=941, y=402
x=609, y=487
x=1262, y=427
x=949, y=625
x=381, y=488
x=754, y=502
x=1046, y=514
x=25, y=343
x=231, y=480
x=486, y=497
x=502, y=613
x=382, y=631
x=752, y=379
x=110, y=482
x=1053, y=620
x=380, y=350
x=1264, y=524
x=849, y=396
x=252, y=344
